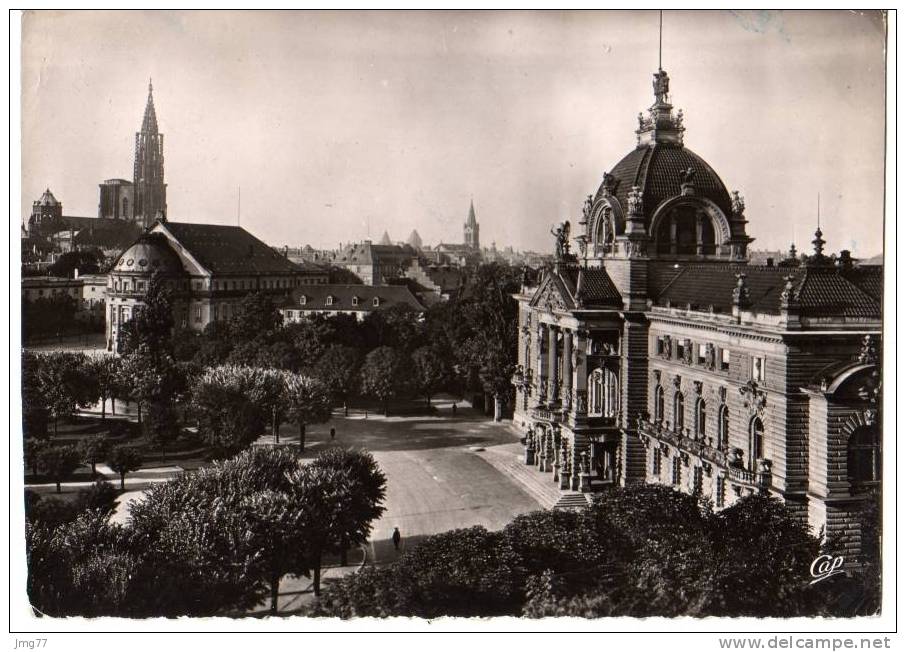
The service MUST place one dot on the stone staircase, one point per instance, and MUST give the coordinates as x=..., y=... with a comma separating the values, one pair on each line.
x=508, y=458
x=572, y=500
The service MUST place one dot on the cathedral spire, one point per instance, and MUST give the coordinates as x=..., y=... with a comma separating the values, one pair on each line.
x=149, y=122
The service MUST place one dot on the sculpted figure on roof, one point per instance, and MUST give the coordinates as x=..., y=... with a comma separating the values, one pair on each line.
x=561, y=235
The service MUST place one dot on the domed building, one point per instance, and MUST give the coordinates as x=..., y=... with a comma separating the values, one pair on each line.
x=656, y=353
x=209, y=269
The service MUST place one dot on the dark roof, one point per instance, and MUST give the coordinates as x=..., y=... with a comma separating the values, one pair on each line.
x=316, y=297
x=818, y=291
x=226, y=249
x=656, y=168
x=598, y=290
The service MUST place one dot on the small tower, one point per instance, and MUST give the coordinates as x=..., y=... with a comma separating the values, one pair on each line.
x=46, y=216
x=470, y=229
x=150, y=191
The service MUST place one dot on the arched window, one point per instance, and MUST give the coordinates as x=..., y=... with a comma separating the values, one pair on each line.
x=679, y=420
x=687, y=231
x=700, y=418
x=659, y=404
x=863, y=455
x=757, y=443
x=603, y=393
x=723, y=428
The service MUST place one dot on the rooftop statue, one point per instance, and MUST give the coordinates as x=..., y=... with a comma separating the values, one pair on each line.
x=561, y=235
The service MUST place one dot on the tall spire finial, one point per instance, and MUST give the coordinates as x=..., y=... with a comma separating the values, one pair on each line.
x=819, y=210
x=660, y=37
x=150, y=86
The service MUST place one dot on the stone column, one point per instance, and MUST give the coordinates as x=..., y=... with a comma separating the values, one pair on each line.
x=672, y=233
x=553, y=381
x=699, y=245
x=567, y=368
x=564, y=465
x=542, y=363
x=580, y=374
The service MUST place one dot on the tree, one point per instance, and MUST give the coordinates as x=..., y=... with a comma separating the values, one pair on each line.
x=429, y=371
x=338, y=369
x=123, y=460
x=33, y=448
x=149, y=378
x=65, y=383
x=35, y=409
x=257, y=319
x=366, y=490
x=161, y=425
x=762, y=556
x=105, y=370
x=150, y=330
x=278, y=534
x=79, y=568
x=223, y=398
x=320, y=493
x=58, y=462
x=92, y=450
x=308, y=401
x=86, y=262
x=384, y=375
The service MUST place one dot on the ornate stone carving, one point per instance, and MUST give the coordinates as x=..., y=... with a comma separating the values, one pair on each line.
x=741, y=296
x=609, y=183
x=754, y=398
x=710, y=356
x=697, y=384
x=787, y=296
x=634, y=201
x=687, y=353
x=679, y=119
x=869, y=352
x=550, y=299
x=587, y=207
x=737, y=204
x=581, y=398
x=667, y=348
x=722, y=394
x=661, y=85
x=657, y=376
x=677, y=381
x=687, y=184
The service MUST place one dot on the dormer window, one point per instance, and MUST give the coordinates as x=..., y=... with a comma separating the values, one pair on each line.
x=376, y=302
x=355, y=301
x=302, y=300
x=329, y=300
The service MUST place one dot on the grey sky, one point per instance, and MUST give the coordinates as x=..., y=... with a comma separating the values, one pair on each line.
x=334, y=123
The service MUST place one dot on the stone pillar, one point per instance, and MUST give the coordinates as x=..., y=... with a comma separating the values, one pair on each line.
x=553, y=381
x=542, y=363
x=699, y=245
x=580, y=374
x=564, y=465
x=567, y=368
x=584, y=474
x=672, y=233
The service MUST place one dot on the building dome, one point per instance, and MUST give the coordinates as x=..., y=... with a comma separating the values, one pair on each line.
x=149, y=254
x=47, y=199
x=657, y=169
x=662, y=199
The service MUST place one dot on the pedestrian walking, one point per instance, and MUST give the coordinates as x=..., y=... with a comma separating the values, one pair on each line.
x=333, y=433
x=396, y=538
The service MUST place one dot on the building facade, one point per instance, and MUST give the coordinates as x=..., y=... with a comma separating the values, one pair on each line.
x=208, y=267
x=657, y=353
x=116, y=200
x=339, y=299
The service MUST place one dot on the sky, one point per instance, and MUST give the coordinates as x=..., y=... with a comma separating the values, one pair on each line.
x=338, y=126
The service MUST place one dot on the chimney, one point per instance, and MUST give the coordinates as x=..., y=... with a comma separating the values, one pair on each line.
x=845, y=260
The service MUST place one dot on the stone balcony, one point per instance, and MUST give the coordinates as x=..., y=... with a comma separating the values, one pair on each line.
x=709, y=455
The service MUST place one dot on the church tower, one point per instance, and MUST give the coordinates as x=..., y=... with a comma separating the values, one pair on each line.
x=470, y=229
x=149, y=187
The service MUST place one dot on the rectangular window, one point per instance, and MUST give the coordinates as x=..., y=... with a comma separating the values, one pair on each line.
x=197, y=314
x=702, y=354
x=656, y=462
x=697, y=480
x=725, y=360
x=677, y=470
x=659, y=346
x=758, y=369
x=720, y=491
x=141, y=286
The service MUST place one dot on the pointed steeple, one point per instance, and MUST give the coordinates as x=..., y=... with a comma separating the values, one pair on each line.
x=149, y=122
x=471, y=221
x=470, y=228
x=385, y=239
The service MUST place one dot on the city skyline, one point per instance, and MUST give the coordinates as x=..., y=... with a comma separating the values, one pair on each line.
x=297, y=113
